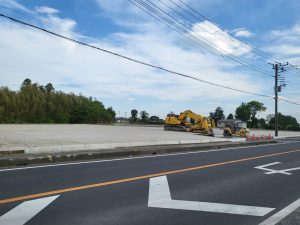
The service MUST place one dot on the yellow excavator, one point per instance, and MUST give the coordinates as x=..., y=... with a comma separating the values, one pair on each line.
x=190, y=122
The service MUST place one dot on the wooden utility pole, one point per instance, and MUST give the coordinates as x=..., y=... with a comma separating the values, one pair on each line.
x=276, y=99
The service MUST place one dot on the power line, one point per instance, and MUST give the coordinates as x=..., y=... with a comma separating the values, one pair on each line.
x=219, y=30
x=138, y=61
x=190, y=37
x=180, y=30
x=234, y=39
x=25, y=16
x=292, y=93
x=260, y=53
x=193, y=22
x=187, y=31
x=129, y=58
x=171, y=21
x=292, y=102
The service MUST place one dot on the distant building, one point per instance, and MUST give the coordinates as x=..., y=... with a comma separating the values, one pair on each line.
x=226, y=123
x=122, y=120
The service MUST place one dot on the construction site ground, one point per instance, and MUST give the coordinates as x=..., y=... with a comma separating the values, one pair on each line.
x=53, y=138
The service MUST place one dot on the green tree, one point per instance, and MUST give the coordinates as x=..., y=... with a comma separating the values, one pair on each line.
x=247, y=112
x=144, y=116
x=35, y=104
x=134, y=114
x=230, y=116
x=262, y=123
x=243, y=112
x=49, y=88
x=285, y=122
x=26, y=82
x=154, y=118
x=111, y=111
x=255, y=107
x=218, y=114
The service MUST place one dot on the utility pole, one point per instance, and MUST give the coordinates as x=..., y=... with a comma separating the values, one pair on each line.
x=279, y=68
x=276, y=99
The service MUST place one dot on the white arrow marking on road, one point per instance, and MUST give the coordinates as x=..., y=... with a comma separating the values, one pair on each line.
x=160, y=197
x=271, y=171
x=25, y=211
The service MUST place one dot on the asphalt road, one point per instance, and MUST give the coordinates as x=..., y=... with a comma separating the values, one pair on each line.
x=220, y=187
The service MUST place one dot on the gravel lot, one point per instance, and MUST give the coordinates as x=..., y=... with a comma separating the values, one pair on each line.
x=87, y=134
x=109, y=135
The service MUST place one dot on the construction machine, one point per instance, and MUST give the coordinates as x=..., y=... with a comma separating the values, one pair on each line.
x=190, y=122
x=233, y=127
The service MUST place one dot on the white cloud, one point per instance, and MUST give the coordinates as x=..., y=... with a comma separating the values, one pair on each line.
x=284, y=43
x=45, y=58
x=71, y=67
x=284, y=49
x=219, y=39
x=44, y=15
x=46, y=9
x=12, y=4
x=63, y=26
x=242, y=32
x=291, y=34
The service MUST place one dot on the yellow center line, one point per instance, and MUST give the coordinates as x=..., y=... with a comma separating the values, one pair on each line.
x=65, y=190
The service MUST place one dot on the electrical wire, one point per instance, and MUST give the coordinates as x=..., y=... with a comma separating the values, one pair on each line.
x=292, y=93
x=188, y=31
x=171, y=21
x=292, y=102
x=258, y=52
x=129, y=58
x=138, y=61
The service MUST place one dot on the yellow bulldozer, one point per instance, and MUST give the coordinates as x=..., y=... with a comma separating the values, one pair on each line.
x=233, y=127
x=190, y=122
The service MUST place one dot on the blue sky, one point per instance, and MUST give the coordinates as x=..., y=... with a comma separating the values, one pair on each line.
x=271, y=27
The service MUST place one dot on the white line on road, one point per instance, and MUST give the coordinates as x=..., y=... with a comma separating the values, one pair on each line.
x=270, y=171
x=160, y=197
x=273, y=171
x=139, y=157
x=25, y=211
x=282, y=214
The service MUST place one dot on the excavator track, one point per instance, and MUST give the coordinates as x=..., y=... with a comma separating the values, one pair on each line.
x=175, y=128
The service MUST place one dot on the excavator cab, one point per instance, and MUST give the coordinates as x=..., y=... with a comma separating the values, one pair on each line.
x=188, y=121
x=173, y=122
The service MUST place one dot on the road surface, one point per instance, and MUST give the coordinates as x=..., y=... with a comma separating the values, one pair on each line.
x=242, y=186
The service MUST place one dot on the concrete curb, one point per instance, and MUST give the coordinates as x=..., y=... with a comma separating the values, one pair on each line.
x=49, y=149
x=23, y=160
x=282, y=137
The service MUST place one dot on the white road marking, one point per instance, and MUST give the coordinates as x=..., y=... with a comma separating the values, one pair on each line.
x=273, y=171
x=25, y=211
x=139, y=157
x=282, y=214
x=160, y=197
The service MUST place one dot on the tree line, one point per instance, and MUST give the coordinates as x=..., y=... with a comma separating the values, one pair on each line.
x=144, y=117
x=248, y=111
x=34, y=103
